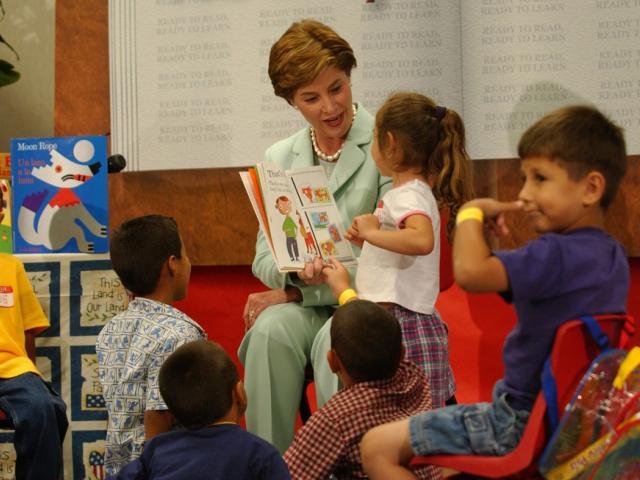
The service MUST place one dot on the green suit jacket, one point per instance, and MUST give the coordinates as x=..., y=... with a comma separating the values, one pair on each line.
x=355, y=184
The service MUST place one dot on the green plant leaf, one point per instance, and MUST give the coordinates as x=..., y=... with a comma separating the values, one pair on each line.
x=4, y=42
x=7, y=74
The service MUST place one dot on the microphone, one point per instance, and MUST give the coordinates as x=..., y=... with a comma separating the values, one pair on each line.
x=115, y=163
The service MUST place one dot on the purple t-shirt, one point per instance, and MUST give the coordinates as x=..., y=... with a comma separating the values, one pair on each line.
x=553, y=279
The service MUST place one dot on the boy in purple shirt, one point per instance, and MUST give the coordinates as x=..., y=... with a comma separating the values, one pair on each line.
x=572, y=162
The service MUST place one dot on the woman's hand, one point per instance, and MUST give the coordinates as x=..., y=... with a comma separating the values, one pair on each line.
x=337, y=277
x=257, y=302
x=312, y=272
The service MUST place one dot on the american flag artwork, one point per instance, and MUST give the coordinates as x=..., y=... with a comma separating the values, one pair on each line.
x=96, y=462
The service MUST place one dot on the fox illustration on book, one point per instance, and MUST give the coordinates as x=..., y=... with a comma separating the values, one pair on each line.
x=55, y=222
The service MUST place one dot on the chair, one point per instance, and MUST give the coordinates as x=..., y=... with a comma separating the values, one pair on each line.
x=572, y=352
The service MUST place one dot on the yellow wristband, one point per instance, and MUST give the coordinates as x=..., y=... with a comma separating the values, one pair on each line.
x=347, y=295
x=470, y=213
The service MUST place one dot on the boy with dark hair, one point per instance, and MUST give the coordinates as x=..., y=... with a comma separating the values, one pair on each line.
x=35, y=409
x=366, y=355
x=201, y=387
x=148, y=255
x=573, y=160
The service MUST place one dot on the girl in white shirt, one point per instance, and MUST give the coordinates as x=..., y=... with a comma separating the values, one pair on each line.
x=421, y=147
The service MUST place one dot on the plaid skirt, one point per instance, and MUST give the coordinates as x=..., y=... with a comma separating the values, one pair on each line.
x=426, y=344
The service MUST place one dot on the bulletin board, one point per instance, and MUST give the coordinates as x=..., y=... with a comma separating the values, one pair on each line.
x=78, y=293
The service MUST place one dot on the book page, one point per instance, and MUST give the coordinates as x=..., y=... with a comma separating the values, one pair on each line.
x=524, y=58
x=320, y=223
x=255, y=198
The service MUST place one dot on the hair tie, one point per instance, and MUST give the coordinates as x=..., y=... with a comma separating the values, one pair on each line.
x=440, y=112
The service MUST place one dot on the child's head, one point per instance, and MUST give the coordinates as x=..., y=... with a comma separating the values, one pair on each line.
x=581, y=140
x=200, y=384
x=367, y=339
x=145, y=248
x=431, y=139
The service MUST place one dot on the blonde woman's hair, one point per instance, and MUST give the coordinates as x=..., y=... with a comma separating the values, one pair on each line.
x=303, y=52
x=432, y=140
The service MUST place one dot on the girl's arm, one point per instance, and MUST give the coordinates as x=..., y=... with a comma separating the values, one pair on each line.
x=416, y=238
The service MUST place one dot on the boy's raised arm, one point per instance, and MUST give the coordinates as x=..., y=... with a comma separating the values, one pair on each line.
x=474, y=267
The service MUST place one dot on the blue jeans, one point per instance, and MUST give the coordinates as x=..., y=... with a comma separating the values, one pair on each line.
x=474, y=429
x=40, y=424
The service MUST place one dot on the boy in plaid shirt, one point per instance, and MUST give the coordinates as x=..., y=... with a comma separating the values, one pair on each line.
x=366, y=355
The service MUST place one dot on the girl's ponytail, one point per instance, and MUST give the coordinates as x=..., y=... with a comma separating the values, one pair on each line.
x=451, y=172
x=432, y=140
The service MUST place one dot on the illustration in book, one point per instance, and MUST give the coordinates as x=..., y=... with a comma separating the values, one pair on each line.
x=289, y=227
x=5, y=165
x=60, y=194
x=5, y=216
x=297, y=215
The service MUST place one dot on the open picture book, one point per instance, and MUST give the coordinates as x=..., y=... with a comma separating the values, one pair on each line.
x=297, y=215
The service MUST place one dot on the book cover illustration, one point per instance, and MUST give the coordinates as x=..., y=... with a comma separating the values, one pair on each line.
x=5, y=165
x=5, y=216
x=60, y=197
x=281, y=217
x=297, y=215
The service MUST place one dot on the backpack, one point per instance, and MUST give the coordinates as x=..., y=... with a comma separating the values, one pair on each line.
x=621, y=460
x=601, y=422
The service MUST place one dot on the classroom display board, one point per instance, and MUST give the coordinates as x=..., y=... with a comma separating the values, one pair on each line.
x=189, y=83
x=79, y=293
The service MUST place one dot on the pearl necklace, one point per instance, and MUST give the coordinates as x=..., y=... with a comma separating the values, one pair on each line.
x=319, y=153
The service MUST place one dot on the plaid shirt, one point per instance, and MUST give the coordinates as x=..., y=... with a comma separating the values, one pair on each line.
x=328, y=442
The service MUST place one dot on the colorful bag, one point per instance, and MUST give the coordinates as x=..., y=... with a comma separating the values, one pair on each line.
x=604, y=412
x=621, y=461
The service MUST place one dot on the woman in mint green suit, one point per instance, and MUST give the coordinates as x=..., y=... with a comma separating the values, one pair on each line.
x=310, y=67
